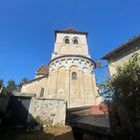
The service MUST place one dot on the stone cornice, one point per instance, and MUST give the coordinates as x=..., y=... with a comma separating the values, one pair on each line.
x=67, y=32
x=67, y=61
x=69, y=55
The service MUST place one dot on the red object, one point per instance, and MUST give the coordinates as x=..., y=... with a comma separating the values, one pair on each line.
x=99, y=109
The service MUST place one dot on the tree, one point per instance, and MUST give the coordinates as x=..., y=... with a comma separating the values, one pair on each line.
x=11, y=86
x=2, y=87
x=123, y=92
x=1, y=83
x=21, y=83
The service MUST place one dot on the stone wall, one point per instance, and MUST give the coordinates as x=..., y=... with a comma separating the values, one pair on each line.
x=79, y=92
x=35, y=86
x=68, y=59
x=59, y=84
x=48, y=110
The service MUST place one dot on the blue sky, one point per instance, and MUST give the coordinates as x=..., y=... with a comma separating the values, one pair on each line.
x=27, y=30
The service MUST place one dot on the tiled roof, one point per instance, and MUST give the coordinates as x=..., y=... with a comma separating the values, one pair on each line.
x=122, y=46
x=94, y=120
x=70, y=30
x=43, y=70
x=39, y=78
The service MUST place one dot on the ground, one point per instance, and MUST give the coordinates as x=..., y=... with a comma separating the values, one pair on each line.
x=48, y=133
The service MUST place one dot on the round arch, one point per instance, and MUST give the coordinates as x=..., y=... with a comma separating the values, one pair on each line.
x=67, y=40
x=63, y=49
x=76, y=40
x=78, y=50
x=61, y=79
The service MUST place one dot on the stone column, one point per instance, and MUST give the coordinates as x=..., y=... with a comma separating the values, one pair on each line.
x=48, y=89
x=94, y=87
x=82, y=94
x=67, y=87
x=84, y=87
x=56, y=83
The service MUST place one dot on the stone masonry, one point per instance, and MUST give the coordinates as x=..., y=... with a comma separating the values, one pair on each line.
x=49, y=111
x=69, y=75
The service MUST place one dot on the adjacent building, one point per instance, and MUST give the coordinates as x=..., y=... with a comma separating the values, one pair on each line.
x=70, y=73
x=122, y=54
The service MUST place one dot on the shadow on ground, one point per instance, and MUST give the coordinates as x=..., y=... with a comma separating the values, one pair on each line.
x=49, y=133
x=14, y=125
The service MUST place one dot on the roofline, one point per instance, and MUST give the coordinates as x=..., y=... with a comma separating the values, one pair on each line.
x=40, y=68
x=119, y=48
x=74, y=32
x=35, y=79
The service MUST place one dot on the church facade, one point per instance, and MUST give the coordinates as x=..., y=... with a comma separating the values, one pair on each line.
x=70, y=73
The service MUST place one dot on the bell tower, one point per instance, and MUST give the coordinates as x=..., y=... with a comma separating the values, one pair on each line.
x=69, y=42
x=71, y=70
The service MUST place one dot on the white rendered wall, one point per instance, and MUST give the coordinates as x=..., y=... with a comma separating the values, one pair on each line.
x=112, y=65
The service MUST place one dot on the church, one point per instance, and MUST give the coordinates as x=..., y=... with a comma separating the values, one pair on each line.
x=70, y=74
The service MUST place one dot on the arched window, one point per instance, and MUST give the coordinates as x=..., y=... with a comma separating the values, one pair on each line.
x=67, y=41
x=75, y=41
x=42, y=92
x=74, y=76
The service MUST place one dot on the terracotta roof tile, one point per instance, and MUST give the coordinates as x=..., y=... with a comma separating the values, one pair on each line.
x=71, y=30
x=43, y=70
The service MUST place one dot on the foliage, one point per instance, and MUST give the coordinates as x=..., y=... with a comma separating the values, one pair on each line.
x=47, y=122
x=123, y=93
x=21, y=83
x=1, y=83
x=38, y=120
x=12, y=86
x=105, y=89
x=126, y=83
